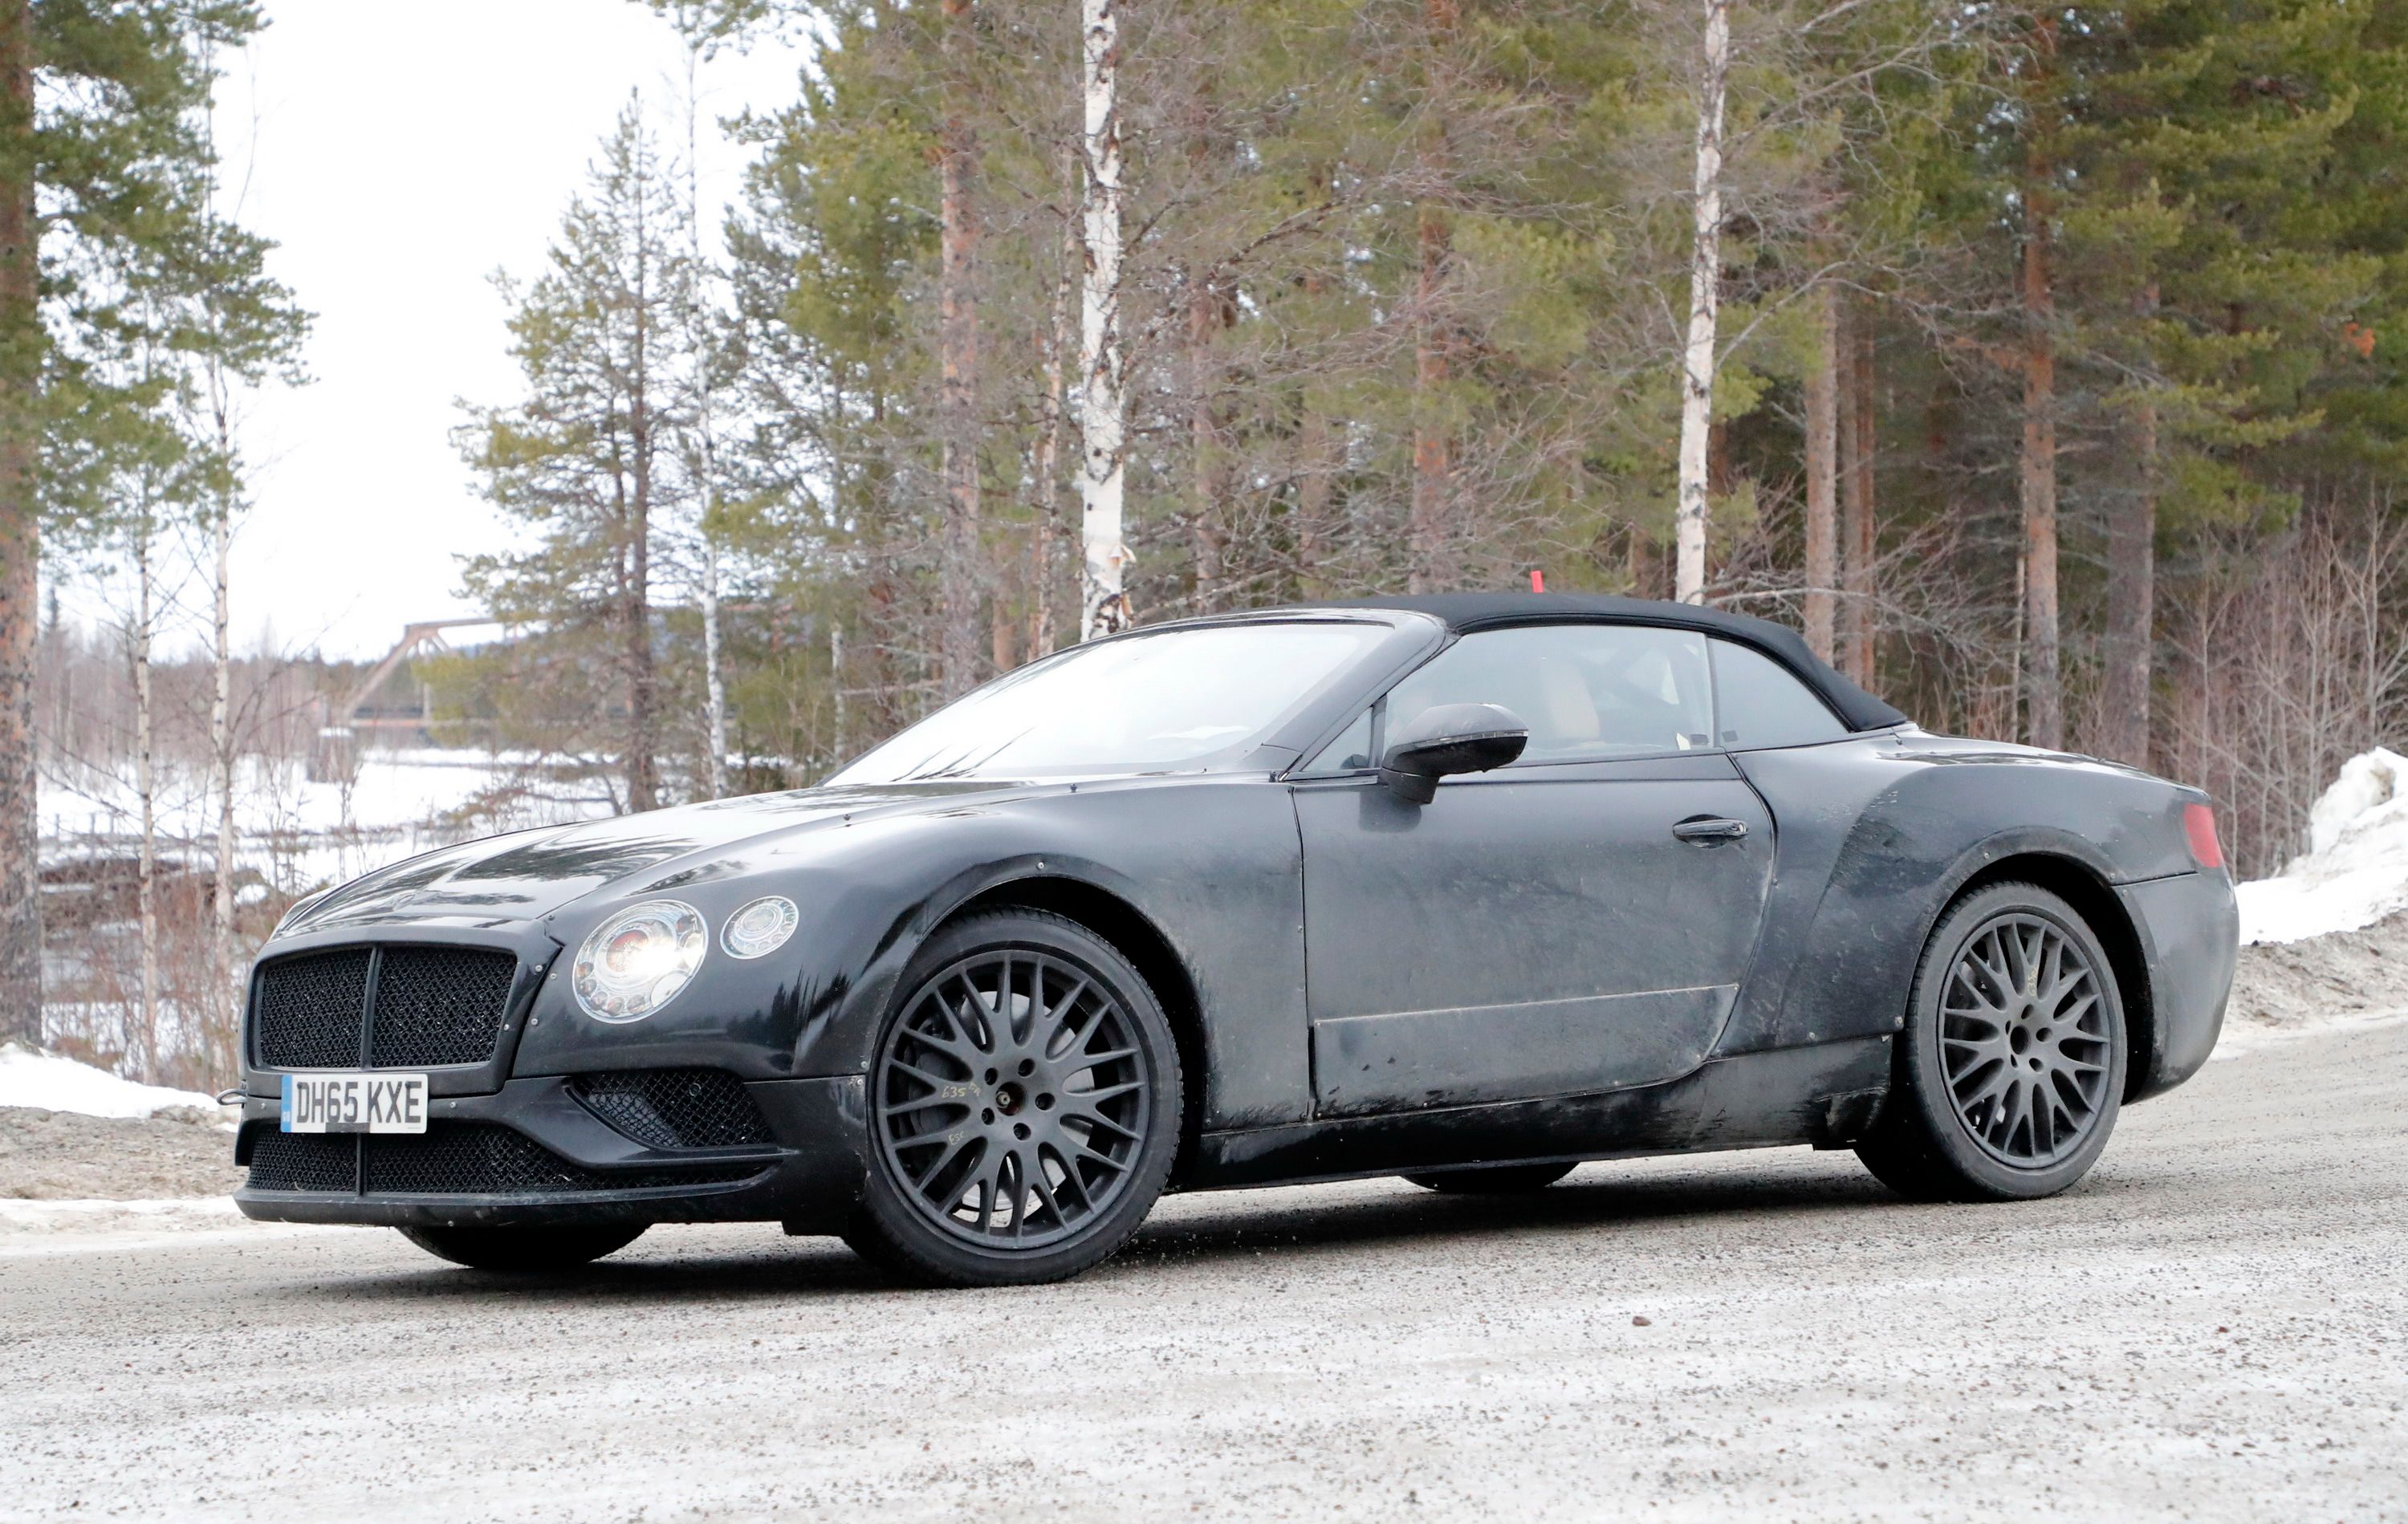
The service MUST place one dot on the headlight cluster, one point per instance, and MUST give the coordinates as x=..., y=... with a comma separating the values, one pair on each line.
x=641, y=957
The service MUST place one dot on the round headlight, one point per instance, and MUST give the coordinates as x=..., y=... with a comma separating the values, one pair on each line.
x=638, y=961
x=760, y=928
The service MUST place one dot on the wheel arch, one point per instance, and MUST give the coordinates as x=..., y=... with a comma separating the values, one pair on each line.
x=1134, y=937
x=2092, y=897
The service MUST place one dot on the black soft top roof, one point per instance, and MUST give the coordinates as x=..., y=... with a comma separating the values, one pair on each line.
x=1464, y=611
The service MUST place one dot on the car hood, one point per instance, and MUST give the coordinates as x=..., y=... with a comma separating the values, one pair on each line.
x=531, y=873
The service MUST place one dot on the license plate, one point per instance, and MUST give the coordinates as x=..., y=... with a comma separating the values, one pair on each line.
x=342, y=1102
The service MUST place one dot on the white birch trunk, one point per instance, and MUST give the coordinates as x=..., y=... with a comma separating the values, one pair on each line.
x=222, y=970
x=146, y=792
x=714, y=681
x=1705, y=272
x=1102, y=409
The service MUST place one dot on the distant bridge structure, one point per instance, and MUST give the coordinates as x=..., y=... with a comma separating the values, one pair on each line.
x=339, y=733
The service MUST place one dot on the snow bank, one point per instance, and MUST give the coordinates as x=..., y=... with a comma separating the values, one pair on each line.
x=2356, y=869
x=30, y=1078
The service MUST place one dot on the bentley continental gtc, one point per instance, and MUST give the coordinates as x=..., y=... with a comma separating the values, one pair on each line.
x=1463, y=889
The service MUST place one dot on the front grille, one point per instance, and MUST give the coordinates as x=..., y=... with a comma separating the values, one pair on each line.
x=303, y=1161
x=449, y=1159
x=434, y=1005
x=309, y=1009
x=439, y=1005
x=675, y=1108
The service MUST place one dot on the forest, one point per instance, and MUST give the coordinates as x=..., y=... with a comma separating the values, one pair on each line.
x=2044, y=365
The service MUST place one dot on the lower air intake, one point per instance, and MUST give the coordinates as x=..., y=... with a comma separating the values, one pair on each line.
x=449, y=1159
x=675, y=1108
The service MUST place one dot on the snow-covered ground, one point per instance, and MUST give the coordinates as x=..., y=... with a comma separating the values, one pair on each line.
x=301, y=835
x=54, y=1083
x=2355, y=872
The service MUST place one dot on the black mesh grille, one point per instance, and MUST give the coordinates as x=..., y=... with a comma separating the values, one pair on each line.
x=303, y=1161
x=675, y=1108
x=483, y=1159
x=440, y=1005
x=308, y=1010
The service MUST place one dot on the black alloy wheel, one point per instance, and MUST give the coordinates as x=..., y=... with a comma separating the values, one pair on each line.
x=2012, y=1068
x=1495, y=1180
x=1024, y=1102
x=2023, y=1041
x=523, y=1251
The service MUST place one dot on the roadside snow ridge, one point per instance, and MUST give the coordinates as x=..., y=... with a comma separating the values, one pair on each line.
x=2356, y=869
x=54, y=1083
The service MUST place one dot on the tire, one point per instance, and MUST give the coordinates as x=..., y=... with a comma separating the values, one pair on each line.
x=2011, y=1070
x=523, y=1251
x=1499, y=1180
x=1025, y=1105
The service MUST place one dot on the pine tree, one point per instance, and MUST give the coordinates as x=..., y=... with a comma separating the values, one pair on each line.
x=587, y=456
x=98, y=144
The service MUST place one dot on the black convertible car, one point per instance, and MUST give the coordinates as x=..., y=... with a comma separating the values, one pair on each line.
x=1465, y=888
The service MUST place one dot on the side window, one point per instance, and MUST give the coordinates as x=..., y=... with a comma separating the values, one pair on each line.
x=1350, y=753
x=1758, y=704
x=1586, y=690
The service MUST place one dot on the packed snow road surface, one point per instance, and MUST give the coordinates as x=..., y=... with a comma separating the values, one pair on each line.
x=2214, y=1326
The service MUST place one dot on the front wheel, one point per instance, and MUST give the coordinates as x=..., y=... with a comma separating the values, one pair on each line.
x=1025, y=1105
x=522, y=1250
x=2012, y=1069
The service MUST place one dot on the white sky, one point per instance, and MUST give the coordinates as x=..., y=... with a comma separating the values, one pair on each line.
x=399, y=155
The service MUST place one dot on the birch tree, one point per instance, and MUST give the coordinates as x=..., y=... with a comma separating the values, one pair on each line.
x=1698, y=355
x=1102, y=407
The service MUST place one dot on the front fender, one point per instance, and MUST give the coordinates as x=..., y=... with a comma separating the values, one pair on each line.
x=1211, y=863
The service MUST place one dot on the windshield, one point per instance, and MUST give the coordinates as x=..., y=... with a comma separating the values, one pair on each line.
x=1144, y=702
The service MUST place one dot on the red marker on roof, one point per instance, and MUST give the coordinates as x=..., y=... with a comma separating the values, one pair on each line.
x=1538, y=580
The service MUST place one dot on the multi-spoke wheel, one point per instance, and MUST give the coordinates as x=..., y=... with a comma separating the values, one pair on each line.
x=1024, y=1104
x=2013, y=1064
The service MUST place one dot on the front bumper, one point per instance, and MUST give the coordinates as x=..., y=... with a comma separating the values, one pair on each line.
x=809, y=1176
x=2188, y=927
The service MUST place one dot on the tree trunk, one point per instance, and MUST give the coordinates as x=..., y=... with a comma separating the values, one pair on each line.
x=1102, y=409
x=1822, y=474
x=1206, y=315
x=2036, y=477
x=1434, y=243
x=698, y=354
x=224, y=989
x=957, y=345
x=145, y=795
x=1698, y=358
x=714, y=676
x=1858, y=540
x=1046, y=471
x=21, y=338
x=2131, y=602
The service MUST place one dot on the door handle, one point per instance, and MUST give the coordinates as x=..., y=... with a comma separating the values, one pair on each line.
x=1710, y=830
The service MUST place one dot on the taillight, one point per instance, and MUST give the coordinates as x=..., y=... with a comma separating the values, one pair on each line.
x=2198, y=824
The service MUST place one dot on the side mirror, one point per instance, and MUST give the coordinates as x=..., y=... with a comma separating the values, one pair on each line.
x=1451, y=738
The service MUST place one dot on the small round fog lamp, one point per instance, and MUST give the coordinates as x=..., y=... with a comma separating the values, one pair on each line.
x=761, y=928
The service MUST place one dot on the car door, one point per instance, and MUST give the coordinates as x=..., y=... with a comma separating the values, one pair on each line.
x=1577, y=921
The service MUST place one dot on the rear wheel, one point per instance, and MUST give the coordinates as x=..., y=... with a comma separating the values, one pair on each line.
x=1025, y=1105
x=2012, y=1069
x=1502, y=1180
x=522, y=1249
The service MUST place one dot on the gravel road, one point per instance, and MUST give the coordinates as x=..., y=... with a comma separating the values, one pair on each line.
x=2214, y=1326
